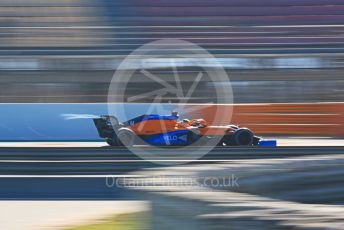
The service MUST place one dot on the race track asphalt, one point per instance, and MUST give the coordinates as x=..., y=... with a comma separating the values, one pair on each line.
x=82, y=173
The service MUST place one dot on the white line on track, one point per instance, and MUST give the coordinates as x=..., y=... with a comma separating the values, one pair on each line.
x=71, y=176
x=108, y=161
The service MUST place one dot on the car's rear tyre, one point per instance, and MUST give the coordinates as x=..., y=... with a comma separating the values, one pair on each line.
x=126, y=137
x=243, y=137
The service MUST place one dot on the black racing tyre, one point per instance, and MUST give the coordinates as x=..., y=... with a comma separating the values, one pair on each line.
x=223, y=142
x=243, y=137
x=126, y=137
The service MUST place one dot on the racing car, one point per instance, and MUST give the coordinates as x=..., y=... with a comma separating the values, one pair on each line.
x=168, y=130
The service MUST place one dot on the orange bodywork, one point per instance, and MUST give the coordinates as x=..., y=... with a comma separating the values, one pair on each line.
x=151, y=127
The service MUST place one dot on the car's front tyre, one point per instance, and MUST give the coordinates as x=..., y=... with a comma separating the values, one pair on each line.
x=241, y=137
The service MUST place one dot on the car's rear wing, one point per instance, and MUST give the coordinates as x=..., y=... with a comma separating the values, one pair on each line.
x=106, y=125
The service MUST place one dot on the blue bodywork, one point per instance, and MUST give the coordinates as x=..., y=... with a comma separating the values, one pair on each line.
x=149, y=117
x=178, y=137
x=267, y=143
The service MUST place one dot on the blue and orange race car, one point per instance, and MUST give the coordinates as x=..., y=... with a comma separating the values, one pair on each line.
x=168, y=130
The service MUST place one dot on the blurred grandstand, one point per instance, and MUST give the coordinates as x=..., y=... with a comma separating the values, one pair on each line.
x=275, y=51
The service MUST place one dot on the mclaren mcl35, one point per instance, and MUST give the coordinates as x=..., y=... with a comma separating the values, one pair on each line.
x=168, y=130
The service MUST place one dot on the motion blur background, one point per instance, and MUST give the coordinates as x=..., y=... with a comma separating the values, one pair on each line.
x=285, y=62
x=275, y=51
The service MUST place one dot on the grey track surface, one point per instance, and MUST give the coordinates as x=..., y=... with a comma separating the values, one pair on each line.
x=107, y=160
x=81, y=173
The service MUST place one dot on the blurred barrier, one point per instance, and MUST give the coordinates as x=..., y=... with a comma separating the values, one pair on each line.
x=293, y=193
x=315, y=119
